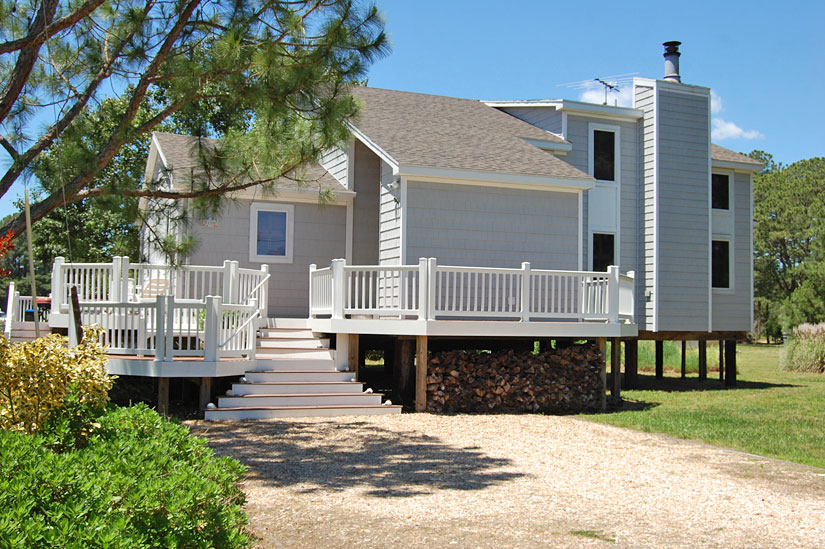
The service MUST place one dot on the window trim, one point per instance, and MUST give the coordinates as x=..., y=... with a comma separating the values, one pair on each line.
x=730, y=191
x=254, y=209
x=616, y=184
x=591, y=247
x=731, y=270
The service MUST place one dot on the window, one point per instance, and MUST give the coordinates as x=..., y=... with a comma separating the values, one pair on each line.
x=604, y=155
x=603, y=251
x=720, y=192
x=720, y=268
x=270, y=233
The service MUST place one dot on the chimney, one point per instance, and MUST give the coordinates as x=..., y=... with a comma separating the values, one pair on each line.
x=672, y=61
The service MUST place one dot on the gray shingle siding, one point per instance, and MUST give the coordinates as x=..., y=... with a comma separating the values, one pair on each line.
x=367, y=175
x=335, y=161
x=645, y=100
x=389, y=240
x=491, y=227
x=546, y=118
x=319, y=237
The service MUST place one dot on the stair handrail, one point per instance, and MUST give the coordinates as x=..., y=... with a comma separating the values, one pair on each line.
x=238, y=330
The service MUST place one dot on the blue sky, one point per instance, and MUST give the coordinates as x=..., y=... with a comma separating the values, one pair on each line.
x=764, y=63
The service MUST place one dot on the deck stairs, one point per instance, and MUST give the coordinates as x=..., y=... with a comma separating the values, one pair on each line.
x=296, y=376
x=24, y=331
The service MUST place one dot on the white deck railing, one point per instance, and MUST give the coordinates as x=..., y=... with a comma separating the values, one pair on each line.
x=166, y=328
x=431, y=291
x=16, y=308
x=124, y=282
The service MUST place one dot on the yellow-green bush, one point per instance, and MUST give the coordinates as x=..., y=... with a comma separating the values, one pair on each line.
x=40, y=378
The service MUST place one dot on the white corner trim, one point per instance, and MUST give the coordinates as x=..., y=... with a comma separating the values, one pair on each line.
x=581, y=231
x=254, y=209
x=655, y=205
x=404, y=208
x=349, y=233
x=156, y=143
x=710, y=219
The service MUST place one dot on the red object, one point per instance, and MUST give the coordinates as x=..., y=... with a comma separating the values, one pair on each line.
x=44, y=301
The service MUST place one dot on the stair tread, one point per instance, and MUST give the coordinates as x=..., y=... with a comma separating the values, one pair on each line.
x=297, y=382
x=307, y=407
x=300, y=395
x=297, y=372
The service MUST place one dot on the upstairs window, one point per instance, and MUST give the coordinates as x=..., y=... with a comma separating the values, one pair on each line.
x=720, y=264
x=270, y=233
x=720, y=192
x=603, y=251
x=604, y=155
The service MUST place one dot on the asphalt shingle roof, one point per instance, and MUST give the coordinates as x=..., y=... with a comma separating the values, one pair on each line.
x=464, y=134
x=179, y=151
x=726, y=155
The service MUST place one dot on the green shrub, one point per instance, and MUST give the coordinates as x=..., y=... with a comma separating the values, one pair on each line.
x=141, y=481
x=805, y=352
x=46, y=384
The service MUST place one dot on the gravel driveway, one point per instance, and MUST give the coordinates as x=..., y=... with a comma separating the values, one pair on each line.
x=422, y=480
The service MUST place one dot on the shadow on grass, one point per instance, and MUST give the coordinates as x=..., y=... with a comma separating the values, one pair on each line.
x=335, y=456
x=648, y=382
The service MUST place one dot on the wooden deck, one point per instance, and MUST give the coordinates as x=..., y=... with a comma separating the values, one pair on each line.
x=179, y=366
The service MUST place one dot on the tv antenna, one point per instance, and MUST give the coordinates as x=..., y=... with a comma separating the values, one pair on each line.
x=609, y=83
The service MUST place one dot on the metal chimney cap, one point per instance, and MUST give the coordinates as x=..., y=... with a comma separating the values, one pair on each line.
x=672, y=48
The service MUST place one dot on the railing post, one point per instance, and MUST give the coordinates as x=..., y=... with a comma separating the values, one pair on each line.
x=160, y=328
x=210, y=328
x=58, y=293
x=10, y=301
x=236, y=283
x=169, y=353
x=252, y=338
x=124, y=279
x=114, y=279
x=432, y=267
x=525, y=291
x=228, y=281
x=632, y=275
x=312, y=268
x=263, y=303
x=338, y=287
x=613, y=293
x=423, y=288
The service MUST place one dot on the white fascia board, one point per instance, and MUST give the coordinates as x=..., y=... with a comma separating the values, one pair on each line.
x=156, y=143
x=482, y=178
x=373, y=146
x=549, y=145
x=736, y=166
x=576, y=107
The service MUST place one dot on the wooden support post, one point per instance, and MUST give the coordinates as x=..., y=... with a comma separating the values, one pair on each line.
x=721, y=360
x=421, y=362
x=730, y=363
x=631, y=363
x=354, y=356
x=660, y=359
x=615, y=368
x=703, y=360
x=205, y=392
x=602, y=343
x=163, y=395
x=684, y=361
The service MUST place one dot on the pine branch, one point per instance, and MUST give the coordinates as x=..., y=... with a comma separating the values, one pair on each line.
x=37, y=38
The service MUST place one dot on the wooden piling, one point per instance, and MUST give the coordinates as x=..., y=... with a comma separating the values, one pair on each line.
x=421, y=361
x=684, y=361
x=703, y=360
x=660, y=359
x=205, y=392
x=353, y=355
x=615, y=368
x=163, y=395
x=730, y=363
x=631, y=363
x=602, y=343
x=721, y=360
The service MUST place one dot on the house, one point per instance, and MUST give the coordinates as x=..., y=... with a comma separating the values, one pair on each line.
x=523, y=200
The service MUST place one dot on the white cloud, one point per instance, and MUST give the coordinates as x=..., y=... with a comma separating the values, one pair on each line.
x=595, y=94
x=722, y=129
x=715, y=102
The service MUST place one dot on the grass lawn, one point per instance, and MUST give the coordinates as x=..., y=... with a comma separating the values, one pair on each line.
x=770, y=413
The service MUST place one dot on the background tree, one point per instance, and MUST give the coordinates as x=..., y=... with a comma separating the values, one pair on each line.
x=271, y=76
x=789, y=261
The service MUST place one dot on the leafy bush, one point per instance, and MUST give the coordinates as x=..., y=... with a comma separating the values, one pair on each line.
x=141, y=481
x=46, y=385
x=805, y=352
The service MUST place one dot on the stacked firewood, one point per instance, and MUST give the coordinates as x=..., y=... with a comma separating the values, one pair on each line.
x=560, y=380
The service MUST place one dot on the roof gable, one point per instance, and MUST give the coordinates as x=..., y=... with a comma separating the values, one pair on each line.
x=431, y=131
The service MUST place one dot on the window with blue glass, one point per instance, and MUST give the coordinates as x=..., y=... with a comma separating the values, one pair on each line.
x=270, y=233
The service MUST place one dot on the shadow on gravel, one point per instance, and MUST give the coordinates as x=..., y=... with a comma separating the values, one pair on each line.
x=335, y=456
